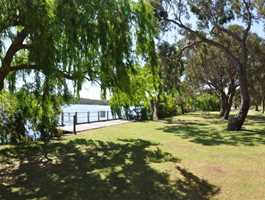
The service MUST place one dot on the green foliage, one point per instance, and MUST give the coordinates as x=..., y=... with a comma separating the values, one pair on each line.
x=256, y=68
x=171, y=65
x=80, y=39
x=57, y=40
x=8, y=107
x=23, y=113
x=146, y=31
x=207, y=102
x=167, y=106
x=154, y=85
x=140, y=92
x=209, y=66
x=41, y=113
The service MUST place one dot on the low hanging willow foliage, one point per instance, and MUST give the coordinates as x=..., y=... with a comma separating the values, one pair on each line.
x=45, y=43
x=76, y=39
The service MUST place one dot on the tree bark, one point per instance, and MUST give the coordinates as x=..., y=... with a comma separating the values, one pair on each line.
x=222, y=112
x=256, y=107
x=182, y=108
x=154, y=109
x=16, y=45
x=223, y=103
x=229, y=106
x=227, y=101
x=1, y=82
x=3, y=74
x=235, y=123
x=230, y=97
x=263, y=105
x=226, y=106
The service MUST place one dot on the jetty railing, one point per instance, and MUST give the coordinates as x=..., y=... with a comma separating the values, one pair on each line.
x=77, y=118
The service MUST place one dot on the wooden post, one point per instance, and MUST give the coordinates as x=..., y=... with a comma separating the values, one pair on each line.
x=98, y=116
x=88, y=115
x=75, y=122
x=107, y=115
x=62, y=119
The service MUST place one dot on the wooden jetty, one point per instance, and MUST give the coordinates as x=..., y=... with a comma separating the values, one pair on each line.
x=82, y=121
x=92, y=125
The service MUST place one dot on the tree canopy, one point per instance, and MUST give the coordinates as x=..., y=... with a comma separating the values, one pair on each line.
x=75, y=40
x=51, y=47
x=210, y=25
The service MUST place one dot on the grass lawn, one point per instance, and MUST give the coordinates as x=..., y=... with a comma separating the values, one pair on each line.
x=189, y=157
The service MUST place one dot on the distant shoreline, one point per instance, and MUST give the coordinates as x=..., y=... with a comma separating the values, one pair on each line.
x=84, y=101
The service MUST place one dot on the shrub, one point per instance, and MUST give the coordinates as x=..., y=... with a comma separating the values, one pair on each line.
x=207, y=102
x=8, y=108
x=25, y=116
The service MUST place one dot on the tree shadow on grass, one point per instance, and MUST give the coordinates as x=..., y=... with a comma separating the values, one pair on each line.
x=205, y=115
x=184, y=122
x=96, y=170
x=208, y=135
x=257, y=118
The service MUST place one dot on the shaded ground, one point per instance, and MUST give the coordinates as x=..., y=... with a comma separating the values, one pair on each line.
x=205, y=129
x=129, y=161
x=86, y=169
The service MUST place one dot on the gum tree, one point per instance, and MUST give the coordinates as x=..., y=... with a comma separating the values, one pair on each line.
x=256, y=70
x=208, y=66
x=211, y=19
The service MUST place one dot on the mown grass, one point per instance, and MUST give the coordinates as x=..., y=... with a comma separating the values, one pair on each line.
x=187, y=157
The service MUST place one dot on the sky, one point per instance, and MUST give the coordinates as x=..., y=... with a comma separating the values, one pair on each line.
x=258, y=28
x=90, y=91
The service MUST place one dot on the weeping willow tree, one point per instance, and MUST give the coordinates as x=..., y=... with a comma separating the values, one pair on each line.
x=48, y=46
x=75, y=39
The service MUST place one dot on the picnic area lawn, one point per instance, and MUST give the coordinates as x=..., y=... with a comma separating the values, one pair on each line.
x=188, y=157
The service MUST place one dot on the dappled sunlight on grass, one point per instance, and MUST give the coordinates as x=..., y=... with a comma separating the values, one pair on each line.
x=206, y=129
x=89, y=169
x=187, y=157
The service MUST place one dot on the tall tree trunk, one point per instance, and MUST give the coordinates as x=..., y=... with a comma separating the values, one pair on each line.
x=227, y=109
x=230, y=97
x=227, y=112
x=235, y=123
x=2, y=79
x=1, y=84
x=222, y=112
x=16, y=45
x=154, y=109
x=263, y=105
x=223, y=102
x=182, y=108
x=229, y=105
x=226, y=104
x=256, y=107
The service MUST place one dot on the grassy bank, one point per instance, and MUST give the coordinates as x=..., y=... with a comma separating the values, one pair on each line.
x=190, y=156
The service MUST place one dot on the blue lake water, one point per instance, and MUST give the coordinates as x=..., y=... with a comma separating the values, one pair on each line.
x=85, y=113
x=96, y=113
x=85, y=108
